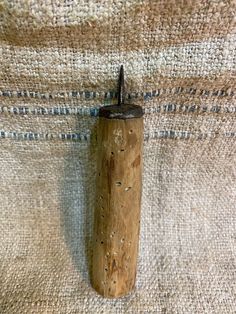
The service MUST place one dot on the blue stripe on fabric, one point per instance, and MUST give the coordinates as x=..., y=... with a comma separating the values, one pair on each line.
x=85, y=137
x=94, y=111
x=146, y=95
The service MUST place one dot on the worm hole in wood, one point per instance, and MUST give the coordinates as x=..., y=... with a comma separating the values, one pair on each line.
x=128, y=188
x=112, y=234
x=118, y=183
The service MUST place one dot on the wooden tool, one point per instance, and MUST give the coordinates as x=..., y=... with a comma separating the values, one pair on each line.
x=119, y=186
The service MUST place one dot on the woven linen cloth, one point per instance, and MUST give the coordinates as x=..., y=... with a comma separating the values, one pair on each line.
x=59, y=63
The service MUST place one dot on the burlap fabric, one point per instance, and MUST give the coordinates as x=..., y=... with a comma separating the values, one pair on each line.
x=59, y=63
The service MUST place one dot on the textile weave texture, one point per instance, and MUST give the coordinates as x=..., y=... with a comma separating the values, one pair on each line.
x=59, y=63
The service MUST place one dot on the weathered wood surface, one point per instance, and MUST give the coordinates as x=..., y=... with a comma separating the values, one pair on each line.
x=117, y=212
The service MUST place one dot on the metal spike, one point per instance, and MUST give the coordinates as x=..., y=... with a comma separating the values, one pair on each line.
x=121, y=89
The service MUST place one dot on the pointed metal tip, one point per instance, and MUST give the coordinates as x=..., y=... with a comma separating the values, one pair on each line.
x=121, y=86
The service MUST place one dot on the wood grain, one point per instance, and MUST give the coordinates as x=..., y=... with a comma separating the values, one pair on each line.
x=117, y=212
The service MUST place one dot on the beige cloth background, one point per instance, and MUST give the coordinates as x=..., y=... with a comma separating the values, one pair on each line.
x=59, y=63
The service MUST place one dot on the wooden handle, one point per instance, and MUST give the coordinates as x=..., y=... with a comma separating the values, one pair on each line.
x=117, y=212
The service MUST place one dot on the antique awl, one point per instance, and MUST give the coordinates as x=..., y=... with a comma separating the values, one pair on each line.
x=119, y=187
